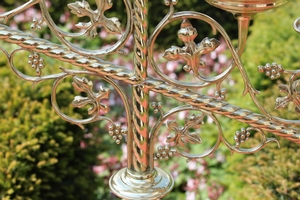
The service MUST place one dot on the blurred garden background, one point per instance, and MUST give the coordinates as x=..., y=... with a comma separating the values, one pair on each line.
x=42, y=157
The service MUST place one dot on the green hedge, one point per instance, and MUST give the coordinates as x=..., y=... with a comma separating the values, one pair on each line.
x=40, y=154
x=272, y=173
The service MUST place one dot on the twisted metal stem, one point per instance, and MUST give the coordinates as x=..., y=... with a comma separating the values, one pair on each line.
x=120, y=73
x=140, y=180
x=59, y=52
x=224, y=108
x=141, y=141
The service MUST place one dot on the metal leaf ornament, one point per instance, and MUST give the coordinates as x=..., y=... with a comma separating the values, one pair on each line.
x=191, y=52
x=194, y=121
x=292, y=96
x=86, y=86
x=182, y=132
x=82, y=9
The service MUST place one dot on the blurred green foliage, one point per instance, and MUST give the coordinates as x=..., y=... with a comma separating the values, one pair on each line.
x=40, y=154
x=272, y=39
x=272, y=173
x=51, y=160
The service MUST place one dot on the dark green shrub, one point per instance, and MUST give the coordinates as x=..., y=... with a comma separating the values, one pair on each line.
x=272, y=39
x=40, y=154
x=272, y=173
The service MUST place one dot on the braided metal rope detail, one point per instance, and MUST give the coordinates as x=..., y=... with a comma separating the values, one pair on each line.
x=120, y=73
x=224, y=108
x=61, y=53
x=141, y=147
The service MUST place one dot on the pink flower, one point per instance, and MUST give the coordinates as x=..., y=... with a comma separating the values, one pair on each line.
x=190, y=195
x=175, y=173
x=192, y=184
x=192, y=165
x=200, y=169
x=83, y=145
x=215, y=191
x=103, y=33
x=99, y=169
x=220, y=157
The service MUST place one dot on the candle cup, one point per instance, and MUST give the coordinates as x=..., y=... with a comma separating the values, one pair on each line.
x=244, y=11
x=246, y=6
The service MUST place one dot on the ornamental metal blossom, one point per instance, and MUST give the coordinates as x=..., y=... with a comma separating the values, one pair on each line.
x=82, y=9
x=140, y=179
x=191, y=52
x=84, y=85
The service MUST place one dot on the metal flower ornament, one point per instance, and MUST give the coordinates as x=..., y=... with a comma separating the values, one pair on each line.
x=274, y=71
x=191, y=52
x=97, y=17
x=141, y=179
x=84, y=85
x=292, y=91
x=180, y=133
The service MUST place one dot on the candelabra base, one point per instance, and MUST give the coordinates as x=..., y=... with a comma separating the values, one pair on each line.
x=141, y=187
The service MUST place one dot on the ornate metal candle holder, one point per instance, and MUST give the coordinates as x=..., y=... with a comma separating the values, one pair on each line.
x=141, y=180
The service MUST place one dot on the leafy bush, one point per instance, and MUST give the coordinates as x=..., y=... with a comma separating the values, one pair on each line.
x=272, y=173
x=40, y=154
x=272, y=33
x=192, y=180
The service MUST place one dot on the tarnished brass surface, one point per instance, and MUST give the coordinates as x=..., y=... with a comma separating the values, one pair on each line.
x=141, y=180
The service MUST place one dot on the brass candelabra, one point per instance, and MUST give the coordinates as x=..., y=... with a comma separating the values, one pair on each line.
x=140, y=179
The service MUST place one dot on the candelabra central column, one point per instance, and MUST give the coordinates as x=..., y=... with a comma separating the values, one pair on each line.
x=141, y=143
x=140, y=180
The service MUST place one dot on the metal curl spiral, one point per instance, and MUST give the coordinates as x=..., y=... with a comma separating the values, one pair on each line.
x=61, y=76
x=79, y=122
x=61, y=35
x=170, y=17
x=197, y=139
x=193, y=138
x=236, y=148
x=141, y=179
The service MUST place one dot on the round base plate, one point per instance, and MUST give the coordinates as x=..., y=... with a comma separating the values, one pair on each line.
x=127, y=186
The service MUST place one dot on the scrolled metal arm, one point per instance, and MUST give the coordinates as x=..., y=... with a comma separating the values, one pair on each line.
x=141, y=180
x=121, y=73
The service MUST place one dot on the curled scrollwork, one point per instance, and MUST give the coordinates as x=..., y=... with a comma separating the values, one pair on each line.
x=187, y=34
x=180, y=135
x=191, y=52
x=182, y=132
x=81, y=9
x=82, y=85
x=291, y=89
x=292, y=96
x=241, y=136
x=79, y=101
x=97, y=17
